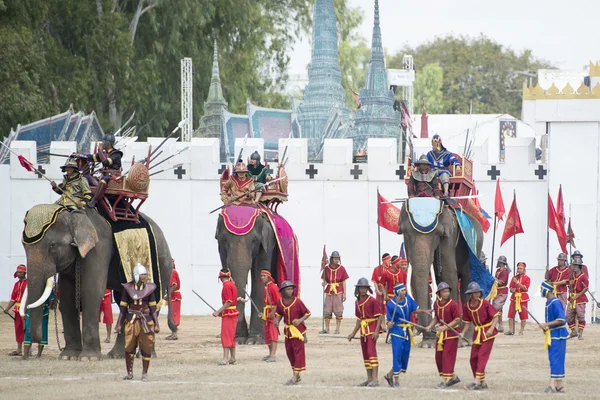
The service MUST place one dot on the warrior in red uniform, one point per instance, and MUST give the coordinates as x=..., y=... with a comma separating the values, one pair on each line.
x=105, y=315
x=294, y=313
x=578, y=286
x=334, y=278
x=139, y=319
x=368, y=314
x=559, y=276
x=392, y=276
x=519, y=285
x=15, y=300
x=377, y=279
x=445, y=310
x=484, y=318
x=271, y=296
x=502, y=274
x=577, y=256
x=175, y=301
x=229, y=317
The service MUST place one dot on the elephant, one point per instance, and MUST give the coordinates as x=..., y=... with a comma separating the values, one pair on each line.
x=81, y=239
x=451, y=262
x=252, y=252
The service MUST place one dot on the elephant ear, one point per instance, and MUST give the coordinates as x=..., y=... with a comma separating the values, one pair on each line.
x=83, y=232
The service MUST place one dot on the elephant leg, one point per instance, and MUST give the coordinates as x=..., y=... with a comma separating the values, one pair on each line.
x=256, y=334
x=92, y=292
x=70, y=318
x=240, y=277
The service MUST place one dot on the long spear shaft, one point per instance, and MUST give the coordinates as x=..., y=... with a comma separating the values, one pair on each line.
x=167, y=138
x=7, y=313
x=493, y=245
x=515, y=228
x=168, y=158
x=166, y=169
x=205, y=302
x=251, y=301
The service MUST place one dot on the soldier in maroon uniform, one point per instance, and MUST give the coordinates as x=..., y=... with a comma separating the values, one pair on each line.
x=559, y=276
x=334, y=283
x=271, y=296
x=578, y=287
x=502, y=274
x=423, y=180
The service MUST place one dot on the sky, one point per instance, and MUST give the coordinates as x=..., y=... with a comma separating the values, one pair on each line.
x=562, y=32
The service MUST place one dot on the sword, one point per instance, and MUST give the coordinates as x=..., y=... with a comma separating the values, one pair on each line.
x=413, y=324
x=454, y=330
x=205, y=302
x=7, y=313
x=590, y=293
x=251, y=301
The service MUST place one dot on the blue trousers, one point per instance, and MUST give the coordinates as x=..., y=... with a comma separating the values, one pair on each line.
x=556, y=354
x=44, y=341
x=400, y=354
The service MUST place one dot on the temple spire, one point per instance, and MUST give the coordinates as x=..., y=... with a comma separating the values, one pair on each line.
x=215, y=92
x=377, y=75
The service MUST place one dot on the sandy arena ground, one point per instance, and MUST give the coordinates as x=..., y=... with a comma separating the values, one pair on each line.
x=187, y=368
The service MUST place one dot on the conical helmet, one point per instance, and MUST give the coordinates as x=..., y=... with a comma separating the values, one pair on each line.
x=363, y=282
x=442, y=286
x=473, y=288
x=423, y=160
x=70, y=163
x=286, y=284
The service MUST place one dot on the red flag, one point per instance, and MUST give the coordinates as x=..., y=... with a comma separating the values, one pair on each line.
x=472, y=208
x=513, y=224
x=570, y=234
x=389, y=215
x=560, y=207
x=324, y=258
x=498, y=202
x=25, y=163
x=556, y=226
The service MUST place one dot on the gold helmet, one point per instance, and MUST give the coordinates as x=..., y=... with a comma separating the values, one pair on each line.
x=436, y=143
x=240, y=167
x=70, y=163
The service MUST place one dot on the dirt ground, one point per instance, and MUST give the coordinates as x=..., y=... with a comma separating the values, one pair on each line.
x=187, y=368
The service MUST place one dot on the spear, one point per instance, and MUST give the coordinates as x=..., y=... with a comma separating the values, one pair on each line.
x=3, y=309
x=241, y=150
x=166, y=169
x=125, y=124
x=181, y=123
x=245, y=194
x=168, y=158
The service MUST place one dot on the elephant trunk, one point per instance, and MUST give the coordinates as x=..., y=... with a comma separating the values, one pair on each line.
x=421, y=258
x=34, y=291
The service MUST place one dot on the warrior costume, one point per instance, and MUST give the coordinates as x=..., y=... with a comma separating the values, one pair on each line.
x=392, y=278
x=290, y=310
x=105, y=315
x=401, y=331
x=138, y=312
x=73, y=187
x=520, y=298
x=557, y=345
x=441, y=159
x=16, y=297
x=235, y=187
x=334, y=291
x=258, y=171
x=576, y=307
x=175, y=296
x=271, y=297
x=368, y=311
x=557, y=274
x=229, y=317
x=447, y=341
x=110, y=159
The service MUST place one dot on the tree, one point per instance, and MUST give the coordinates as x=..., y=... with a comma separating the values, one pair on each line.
x=477, y=69
x=428, y=88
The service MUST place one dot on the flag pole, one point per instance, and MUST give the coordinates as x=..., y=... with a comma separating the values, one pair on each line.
x=378, y=228
x=548, y=234
x=493, y=245
x=570, y=241
x=515, y=229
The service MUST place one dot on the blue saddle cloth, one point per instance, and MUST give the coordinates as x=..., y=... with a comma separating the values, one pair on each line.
x=479, y=273
x=424, y=213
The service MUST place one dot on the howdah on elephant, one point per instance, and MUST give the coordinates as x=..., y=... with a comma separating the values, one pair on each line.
x=60, y=241
x=444, y=247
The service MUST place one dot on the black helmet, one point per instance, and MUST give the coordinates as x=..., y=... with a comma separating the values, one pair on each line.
x=562, y=256
x=109, y=138
x=335, y=254
x=255, y=156
x=423, y=160
x=442, y=286
x=286, y=284
x=576, y=253
x=503, y=260
x=362, y=282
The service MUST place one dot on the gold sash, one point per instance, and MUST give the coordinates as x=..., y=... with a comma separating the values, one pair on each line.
x=294, y=332
x=364, y=326
x=547, y=339
x=479, y=331
x=518, y=296
x=408, y=328
x=266, y=312
x=333, y=287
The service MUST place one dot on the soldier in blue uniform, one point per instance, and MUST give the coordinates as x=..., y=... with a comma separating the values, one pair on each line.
x=441, y=159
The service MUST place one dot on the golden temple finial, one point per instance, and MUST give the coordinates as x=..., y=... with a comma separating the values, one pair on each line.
x=594, y=69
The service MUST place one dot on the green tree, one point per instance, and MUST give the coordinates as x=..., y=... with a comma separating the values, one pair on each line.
x=428, y=88
x=477, y=69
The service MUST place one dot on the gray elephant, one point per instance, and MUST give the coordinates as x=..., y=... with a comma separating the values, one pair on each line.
x=78, y=239
x=451, y=261
x=251, y=252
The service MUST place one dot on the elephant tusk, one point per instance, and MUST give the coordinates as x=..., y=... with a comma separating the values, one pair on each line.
x=45, y=295
x=433, y=284
x=23, y=302
x=409, y=280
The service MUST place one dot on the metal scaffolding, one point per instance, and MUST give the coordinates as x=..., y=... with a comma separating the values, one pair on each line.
x=186, y=99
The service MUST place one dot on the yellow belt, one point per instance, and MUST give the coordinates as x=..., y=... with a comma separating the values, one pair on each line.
x=364, y=325
x=408, y=328
x=294, y=332
x=554, y=291
x=518, y=301
x=440, y=340
x=547, y=339
x=479, y=331
x=266, y=312
x=572, y=303
x=333, y=287
x=17, y=304
x=231, y=308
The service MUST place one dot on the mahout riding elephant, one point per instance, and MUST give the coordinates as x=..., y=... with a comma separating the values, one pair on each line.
x=451, y=262
x=80, y=239
x=252, y=252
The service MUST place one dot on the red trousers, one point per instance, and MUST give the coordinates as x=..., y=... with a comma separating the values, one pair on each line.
x=480, y=354
x=294, y=348
x=176, y=310
x=523, y=316
x=271, y=334
x=105, y=316
x=369, y=351
x=228, y=327
x=19, y=328
x=446, y=358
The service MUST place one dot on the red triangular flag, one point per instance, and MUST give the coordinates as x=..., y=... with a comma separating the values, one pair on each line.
x=513, y=224
x=389, y=215
x=570, y=235
x=560, y=207
x=498, y=202
x=25, y=163
x=556, y=226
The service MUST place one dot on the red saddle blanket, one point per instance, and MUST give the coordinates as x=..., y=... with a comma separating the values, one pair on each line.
x=239, y=220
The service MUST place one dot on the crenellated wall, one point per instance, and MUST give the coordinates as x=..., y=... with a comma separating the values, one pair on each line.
x=332, y=203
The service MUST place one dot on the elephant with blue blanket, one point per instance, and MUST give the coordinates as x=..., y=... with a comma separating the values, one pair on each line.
x=432, y=235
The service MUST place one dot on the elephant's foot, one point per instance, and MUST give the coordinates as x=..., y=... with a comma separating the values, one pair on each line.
x=257, y=339
x=69, y=354
x=90, y=355
x=116, y=353
x=241, y=339
x=427, y=343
